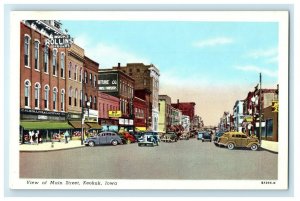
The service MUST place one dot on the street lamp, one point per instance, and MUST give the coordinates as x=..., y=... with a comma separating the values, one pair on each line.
x=254, y=101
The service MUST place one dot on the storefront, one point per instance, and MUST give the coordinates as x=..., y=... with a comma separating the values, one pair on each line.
x=38, y=126
x=126, y=125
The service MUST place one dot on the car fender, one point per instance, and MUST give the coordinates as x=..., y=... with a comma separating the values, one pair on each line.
x=231, y=142
x=251, y=143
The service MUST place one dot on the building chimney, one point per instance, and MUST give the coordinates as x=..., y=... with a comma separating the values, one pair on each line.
x=119, y=65
x=177, y=101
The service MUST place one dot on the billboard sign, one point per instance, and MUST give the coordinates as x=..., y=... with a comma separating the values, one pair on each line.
x=108, y=82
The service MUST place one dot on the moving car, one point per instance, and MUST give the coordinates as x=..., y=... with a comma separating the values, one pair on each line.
x=200, y=135
x=103, y=138
x=150, y=139
x=238, y=139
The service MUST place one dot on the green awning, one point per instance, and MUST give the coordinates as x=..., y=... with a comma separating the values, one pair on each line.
x=46, y=125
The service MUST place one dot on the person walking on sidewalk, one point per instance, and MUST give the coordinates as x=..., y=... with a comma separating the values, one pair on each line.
x=66, y=136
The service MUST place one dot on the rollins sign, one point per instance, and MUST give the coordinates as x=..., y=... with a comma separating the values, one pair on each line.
x=59, y=41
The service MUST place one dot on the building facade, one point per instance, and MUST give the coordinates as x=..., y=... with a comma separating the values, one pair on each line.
x=187, y=108
x=238, y=115
x=140, y=111
x=117, y=83
x=165, y=116
x=43, y=85
x=146, y=77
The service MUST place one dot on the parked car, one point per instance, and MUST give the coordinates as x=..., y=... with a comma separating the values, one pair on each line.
x=169, y=137
x=155, y=134
x=139, y=136
x=200, y=135
x=217, y=136
x=184, y=136
x=206, y=137
x=238, y=139
x=103, y=138
x=129, y=138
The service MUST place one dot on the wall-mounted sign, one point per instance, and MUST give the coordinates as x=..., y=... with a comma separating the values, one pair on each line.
x=114, y=114
x=121, y=121
x=108, y=82
x=59, y=41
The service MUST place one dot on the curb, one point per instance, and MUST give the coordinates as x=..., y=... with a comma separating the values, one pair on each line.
x=50, y=150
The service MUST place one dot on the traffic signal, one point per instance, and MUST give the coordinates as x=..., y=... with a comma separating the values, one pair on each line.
x=275, y=106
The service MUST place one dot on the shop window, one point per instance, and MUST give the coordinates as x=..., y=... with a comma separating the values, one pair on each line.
x=269, y=129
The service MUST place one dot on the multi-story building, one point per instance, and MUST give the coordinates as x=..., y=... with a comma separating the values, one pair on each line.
x=146, y=77
x=140, y=111
x=109, y=112
x=145, y=95
x=90, y=91
x=187, y=108
x=75, y=57
x=186, y=123
x=43, y=86
x=165, y=116
x=119, y=84
x=238, y=115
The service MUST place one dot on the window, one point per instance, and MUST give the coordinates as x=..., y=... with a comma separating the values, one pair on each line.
x=27, y=92
x=75, y=98
x=36, y=54
x=91, y=101
x=70, y=96
x=70, y=70
x=80, y=75
x=54, y=98
x=54, y=61
x=62, y=102
x=46, y=97
x=62, y=65
x=37, y=88
x=95, y=102
x=75, y=72
x=138, y=70
x=80, y=98
x=269, y=128
x=95, y=80
x=85, y=77
x=91, y=80
x=26, y=50
x=46, y=59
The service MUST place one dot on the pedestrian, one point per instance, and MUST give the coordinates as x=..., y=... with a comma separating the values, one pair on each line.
x=31, y=133
x=37, y=137
x=66, y=136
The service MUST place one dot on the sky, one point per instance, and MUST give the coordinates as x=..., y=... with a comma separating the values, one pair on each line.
x=210, y=63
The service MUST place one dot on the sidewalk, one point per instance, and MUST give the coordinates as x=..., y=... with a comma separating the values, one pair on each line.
x=48, y=146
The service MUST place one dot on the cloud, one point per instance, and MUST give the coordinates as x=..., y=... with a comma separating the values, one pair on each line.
x=263, y=53
x=213, y=42
x=108, y=55
x=257, y=69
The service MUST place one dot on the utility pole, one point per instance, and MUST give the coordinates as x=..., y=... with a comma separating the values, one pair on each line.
x=82, y=110
x=260, y=107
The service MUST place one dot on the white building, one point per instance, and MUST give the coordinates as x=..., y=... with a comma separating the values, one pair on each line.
x=185, y=122
x=238, y=116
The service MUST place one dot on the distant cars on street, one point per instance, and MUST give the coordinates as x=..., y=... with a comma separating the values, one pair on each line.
x=103, y=138
x=169, y=137
x=206, y=137
x=238, y=139
x=217, y=136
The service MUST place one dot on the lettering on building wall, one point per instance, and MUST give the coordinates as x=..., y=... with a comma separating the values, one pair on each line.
x=59, y=41
x=108, y=82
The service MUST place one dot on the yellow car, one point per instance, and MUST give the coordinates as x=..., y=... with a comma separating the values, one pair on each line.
x=238, y=139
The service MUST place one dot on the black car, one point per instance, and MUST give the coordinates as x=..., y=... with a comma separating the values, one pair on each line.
x=206, y=137
x=217, y=136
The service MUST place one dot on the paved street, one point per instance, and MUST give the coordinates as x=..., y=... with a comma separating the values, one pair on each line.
x=189, y=159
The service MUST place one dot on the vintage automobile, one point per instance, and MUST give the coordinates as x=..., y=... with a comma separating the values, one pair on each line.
x=103, y=138
x=206, y=137
x=238, y=139
x=217, y=135
x=150, y=139
x=200, y=135
x=169, y=137
x=184, y=136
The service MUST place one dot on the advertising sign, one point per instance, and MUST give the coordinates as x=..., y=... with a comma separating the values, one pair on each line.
x=108, y=82
x=114, y=114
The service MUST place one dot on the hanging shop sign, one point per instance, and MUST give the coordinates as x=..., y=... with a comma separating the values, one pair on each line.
x=59, y=41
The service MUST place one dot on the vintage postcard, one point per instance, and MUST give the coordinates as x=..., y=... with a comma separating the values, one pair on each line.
x=149, y=100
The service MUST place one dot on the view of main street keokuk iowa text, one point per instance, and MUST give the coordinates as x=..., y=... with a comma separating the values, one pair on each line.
x=190, y=100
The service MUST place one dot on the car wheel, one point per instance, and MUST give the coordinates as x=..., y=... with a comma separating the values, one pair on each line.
x=254, y=147
x=91, y=143
x=230, y=146
x=114, y=142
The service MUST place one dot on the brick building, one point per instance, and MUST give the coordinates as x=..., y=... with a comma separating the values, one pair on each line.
x=42, y=81
x=146, y=77
x=140, y=114
x=117, y=83
x=187, y=108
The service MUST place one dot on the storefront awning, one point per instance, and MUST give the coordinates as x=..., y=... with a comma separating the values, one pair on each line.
x=44, y=125
x=140, y=129
x=94, y=125
x=78, y=124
